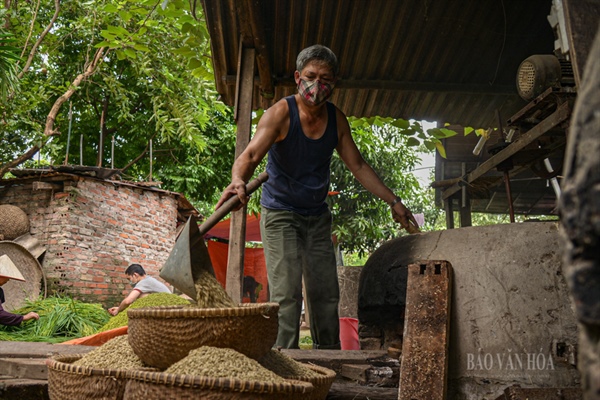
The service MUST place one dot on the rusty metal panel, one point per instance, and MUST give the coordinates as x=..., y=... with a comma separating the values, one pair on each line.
x=424, y=365
x=518, y=393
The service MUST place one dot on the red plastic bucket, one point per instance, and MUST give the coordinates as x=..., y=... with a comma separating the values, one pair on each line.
x=349, y=334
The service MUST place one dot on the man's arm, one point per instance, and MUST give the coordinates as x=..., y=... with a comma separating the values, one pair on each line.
x=133, y=296
x=272, y=127
x=367, y=177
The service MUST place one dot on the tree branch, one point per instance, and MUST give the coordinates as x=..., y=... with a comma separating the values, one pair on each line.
x=21, y=159
x=33, y=19
x=42, y=36
x=49, y=129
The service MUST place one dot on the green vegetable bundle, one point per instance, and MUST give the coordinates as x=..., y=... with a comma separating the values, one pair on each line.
x=61, y=319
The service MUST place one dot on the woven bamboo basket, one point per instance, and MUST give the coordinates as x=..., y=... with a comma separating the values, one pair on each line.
x=73, y=382
x=321, y=383
x=161, y=336
x=14, y=222
x=159, y=386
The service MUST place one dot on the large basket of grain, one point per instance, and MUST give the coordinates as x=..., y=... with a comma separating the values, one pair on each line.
x=71, y=382
x=161, y=336
x=216, y=374
x=159, y=386
x=99, y=374
x=320, y=377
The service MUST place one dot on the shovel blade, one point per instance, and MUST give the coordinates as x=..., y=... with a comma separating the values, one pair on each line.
x=188, y=258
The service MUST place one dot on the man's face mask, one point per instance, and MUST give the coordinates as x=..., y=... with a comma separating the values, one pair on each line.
x=315, y=92
x=133, y=280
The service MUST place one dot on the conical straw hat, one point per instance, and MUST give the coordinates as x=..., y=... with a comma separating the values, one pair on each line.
x=8, y=269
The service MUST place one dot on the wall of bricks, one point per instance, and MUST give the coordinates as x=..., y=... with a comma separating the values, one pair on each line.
x=93, y=229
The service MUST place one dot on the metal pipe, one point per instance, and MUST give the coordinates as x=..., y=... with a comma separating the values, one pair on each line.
x=553, y=181
x=69, y=132
x=81, y=149
x=150, y=160
x=112, y=153
x=509, y=196
x=100, y=145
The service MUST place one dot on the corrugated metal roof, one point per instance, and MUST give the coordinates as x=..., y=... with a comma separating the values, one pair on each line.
x=448, y=61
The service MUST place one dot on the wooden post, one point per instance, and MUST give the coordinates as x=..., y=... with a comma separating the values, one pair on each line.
x=449, y=213
x=424, y=365
x=243, y=112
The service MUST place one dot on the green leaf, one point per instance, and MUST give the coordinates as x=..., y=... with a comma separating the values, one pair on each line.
x=448, y=132
x=107, y=35
x=468, y=130
x=187, y=27
x=121, y=55
x=401, y=123
x=141, y=47
x=129, y=53
x=125, y=16
x=110, y=8
x=195, y=63
x=440, y=148
x=185, y=51
x=102, y=44
x=117, y=30
x=412, y=142
x=430, y=145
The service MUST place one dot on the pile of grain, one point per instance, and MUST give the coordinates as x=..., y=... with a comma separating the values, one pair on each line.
x=114, y=354
x=223, y=363
x=152, y=300
x=210, y=293
x=285, y=366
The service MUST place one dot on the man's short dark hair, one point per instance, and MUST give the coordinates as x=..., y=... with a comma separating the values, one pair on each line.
x=319, y=53
x=135, y=269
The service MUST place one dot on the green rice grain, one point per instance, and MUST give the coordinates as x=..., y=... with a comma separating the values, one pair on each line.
x=210, y=293
x=285, y=366
x=222, y=363
x=114, y=354
x=152, y=300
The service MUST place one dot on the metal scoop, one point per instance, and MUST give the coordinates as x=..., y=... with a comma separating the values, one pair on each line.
x=190, y=256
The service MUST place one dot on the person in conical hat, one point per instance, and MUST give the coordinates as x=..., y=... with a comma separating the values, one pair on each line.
x=8, y=271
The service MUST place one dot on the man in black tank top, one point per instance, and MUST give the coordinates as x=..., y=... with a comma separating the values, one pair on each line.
x=300, y=134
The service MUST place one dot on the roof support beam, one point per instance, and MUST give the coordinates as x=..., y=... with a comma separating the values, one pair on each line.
x=562, y=113
x=262, y=57
x=403, y=86
x=253, y=35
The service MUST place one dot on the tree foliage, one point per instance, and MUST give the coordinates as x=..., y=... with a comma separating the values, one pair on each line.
x=361, y=220
x=153, y=81
x=9, y=55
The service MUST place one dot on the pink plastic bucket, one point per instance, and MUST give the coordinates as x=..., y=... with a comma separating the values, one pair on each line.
x=349, y=334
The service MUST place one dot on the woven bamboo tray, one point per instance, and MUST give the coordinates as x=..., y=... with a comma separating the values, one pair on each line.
x=159, y=386
x=73, y=382
x=321, y=383
x=161, y=336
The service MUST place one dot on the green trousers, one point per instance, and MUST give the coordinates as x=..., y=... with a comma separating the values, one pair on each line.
x=298, y=246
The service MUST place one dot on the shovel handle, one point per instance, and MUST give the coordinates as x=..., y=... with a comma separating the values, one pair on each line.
x=231, y=203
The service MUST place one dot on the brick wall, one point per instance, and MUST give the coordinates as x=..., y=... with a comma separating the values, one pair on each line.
x=93, y=229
